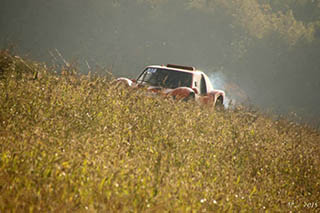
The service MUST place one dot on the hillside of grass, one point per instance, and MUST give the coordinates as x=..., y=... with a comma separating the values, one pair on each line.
x=71, y=142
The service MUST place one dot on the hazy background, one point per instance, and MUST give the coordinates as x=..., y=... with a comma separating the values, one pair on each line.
x=265, y=52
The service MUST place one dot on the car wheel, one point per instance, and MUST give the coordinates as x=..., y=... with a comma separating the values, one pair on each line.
x=219, y=103
x=191, y=97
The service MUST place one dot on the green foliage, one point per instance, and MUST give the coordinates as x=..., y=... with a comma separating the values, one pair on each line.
x=77, y=142
x=260, y=19
x=291, y=20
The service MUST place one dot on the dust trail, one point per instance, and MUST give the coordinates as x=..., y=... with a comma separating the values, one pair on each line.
x=234, y=94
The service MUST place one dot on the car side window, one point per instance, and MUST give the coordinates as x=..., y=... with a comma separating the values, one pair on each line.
x=203, y=86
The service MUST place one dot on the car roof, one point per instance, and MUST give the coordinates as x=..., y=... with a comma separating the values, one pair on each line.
x=176, y=69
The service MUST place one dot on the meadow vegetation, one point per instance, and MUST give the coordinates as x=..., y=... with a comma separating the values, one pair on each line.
x=71, y=142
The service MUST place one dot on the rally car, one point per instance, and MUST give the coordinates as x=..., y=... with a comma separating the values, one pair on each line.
x=179, y=82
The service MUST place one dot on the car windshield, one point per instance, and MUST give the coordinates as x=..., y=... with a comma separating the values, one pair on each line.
x=165, y=78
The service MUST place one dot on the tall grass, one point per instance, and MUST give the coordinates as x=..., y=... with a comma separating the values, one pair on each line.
x=74, y=142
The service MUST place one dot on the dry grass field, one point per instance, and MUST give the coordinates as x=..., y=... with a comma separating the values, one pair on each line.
x=72, y=142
